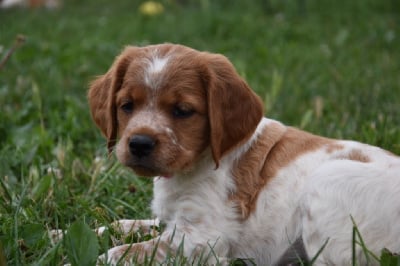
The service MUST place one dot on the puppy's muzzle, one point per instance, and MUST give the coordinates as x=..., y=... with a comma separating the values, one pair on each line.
x=141, y=145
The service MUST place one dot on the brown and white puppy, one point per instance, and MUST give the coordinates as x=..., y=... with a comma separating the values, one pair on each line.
x=230, y=183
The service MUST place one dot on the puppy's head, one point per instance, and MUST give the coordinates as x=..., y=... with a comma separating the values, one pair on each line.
x=162, y=106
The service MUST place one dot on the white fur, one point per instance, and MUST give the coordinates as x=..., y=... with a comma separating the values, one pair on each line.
x=157, y=64
x=154, y=73
x=368, y=193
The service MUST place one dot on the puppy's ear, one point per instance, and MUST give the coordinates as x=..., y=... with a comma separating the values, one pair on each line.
x=102, y=93
x=234, y=109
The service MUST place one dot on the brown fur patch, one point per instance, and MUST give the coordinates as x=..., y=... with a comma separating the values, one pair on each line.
x=357, y=155
x=273, y=150
x=234, y=109
x=294, y=143
x=334, y=147
x=247, y=172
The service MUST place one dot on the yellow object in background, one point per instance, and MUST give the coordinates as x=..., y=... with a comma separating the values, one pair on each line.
x=151, y=8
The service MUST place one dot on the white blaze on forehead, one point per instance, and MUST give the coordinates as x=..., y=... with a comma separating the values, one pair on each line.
x=154, y=72
x=157, y=64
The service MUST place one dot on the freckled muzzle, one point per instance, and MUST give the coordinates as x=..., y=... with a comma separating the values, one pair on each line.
x=148, y=153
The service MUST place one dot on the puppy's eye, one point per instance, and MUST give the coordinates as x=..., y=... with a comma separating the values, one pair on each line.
x=182, y=111
x=127, y=107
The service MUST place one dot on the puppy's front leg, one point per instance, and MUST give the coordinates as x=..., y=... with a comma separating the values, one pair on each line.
x=122, y=227
x=126, y=227
x=154, y=250
x=167, y=247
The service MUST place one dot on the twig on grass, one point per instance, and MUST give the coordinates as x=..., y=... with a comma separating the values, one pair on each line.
x=19, y=40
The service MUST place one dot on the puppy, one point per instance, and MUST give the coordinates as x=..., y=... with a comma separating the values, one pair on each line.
x=230, y=183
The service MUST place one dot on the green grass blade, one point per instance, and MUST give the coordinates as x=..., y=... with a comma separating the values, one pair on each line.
x=314, y=259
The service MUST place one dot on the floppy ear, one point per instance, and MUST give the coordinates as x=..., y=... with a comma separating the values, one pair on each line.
x=234, y=109
x=102, y=93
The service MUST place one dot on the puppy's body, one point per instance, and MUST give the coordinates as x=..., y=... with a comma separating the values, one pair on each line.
x=233, y=184
x=312, y=198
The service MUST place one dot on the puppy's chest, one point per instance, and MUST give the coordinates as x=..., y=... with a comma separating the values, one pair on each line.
x=194, y=201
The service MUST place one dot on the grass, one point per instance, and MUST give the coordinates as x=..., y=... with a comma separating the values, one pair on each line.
x=330, y=67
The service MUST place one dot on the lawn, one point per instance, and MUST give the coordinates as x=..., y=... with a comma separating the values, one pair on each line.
x=330, y=67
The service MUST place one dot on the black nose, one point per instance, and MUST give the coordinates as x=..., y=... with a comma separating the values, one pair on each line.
x=141, y=145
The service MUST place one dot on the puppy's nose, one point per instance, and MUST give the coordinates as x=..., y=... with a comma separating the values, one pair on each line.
x=141, y=145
